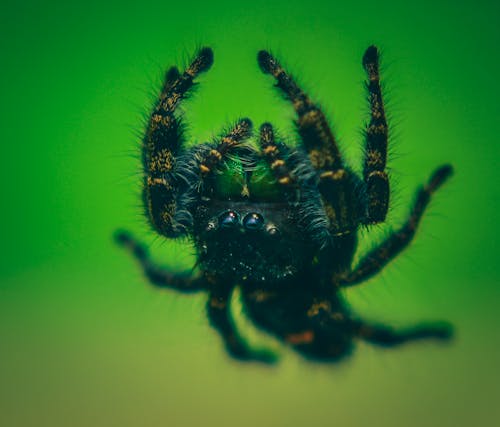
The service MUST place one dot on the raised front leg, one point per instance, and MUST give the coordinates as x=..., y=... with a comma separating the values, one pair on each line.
x=162, y=143
x=336, y=183
x=316, y=135
x=376, y=134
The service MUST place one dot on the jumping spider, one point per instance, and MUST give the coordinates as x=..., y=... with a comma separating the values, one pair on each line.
x=280, y=223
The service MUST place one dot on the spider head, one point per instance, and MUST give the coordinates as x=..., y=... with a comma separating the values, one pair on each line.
x=252, y=241
x=248, y=228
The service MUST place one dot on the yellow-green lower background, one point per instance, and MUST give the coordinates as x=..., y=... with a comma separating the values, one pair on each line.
x=84, y=340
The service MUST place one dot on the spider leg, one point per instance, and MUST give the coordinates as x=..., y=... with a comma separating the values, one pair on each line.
x=159, y=276
x=277, y=155
x=378, y=258
x=376, y=135
x=336, y=182
x=312, y=125
x=220, y=318
x=388, y=337
x=162, y=142
x=211, y=160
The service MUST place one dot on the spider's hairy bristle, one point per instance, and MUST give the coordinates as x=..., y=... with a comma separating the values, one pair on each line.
x=267, y=62
x=439, y=177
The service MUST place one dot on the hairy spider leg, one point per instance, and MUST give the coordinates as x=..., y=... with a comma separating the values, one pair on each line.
x=219, y=314
x=158, y=276
x=379, y=257
x=277, y=156
x=376, y=135
x=312, y=125
x=162, y=142
x=213, y=158
x=388, y=337
x=336, y=182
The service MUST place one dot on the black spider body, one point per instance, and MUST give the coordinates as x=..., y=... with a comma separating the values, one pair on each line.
x=241, y=246
x=280, y=223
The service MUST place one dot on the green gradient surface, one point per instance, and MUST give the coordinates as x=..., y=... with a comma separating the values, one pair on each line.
x=84, y=341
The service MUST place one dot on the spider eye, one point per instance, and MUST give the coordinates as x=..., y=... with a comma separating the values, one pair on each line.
x=253, y=221
x=272, y=230
x=229, y=219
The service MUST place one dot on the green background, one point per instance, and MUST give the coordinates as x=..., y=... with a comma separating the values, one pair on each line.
x=84, y=340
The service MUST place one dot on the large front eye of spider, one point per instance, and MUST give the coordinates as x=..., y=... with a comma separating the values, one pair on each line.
x=253, y=221
x=229, y=219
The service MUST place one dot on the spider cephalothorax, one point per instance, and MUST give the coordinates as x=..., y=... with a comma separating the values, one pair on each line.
x=281, y=223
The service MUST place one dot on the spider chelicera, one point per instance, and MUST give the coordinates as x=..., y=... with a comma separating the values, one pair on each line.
x=278, y=222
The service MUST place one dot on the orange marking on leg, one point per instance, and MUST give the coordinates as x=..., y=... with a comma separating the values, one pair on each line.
x=334, y=175
x=216, y=154
x=305, y=337
x=270, y=149
x=277, y=164
x=317, y=307
x=285, y=180
x=156, y=181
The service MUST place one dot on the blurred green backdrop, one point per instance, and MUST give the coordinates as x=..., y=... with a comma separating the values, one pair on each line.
x=84, y=341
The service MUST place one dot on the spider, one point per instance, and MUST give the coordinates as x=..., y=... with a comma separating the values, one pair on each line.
x=279, y=223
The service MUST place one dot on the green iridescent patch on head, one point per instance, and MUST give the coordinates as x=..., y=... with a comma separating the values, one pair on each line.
x=230, y=183
x=262, y=184
x=257, y=182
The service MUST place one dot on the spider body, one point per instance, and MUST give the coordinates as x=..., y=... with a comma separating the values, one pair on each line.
x=280, y=223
